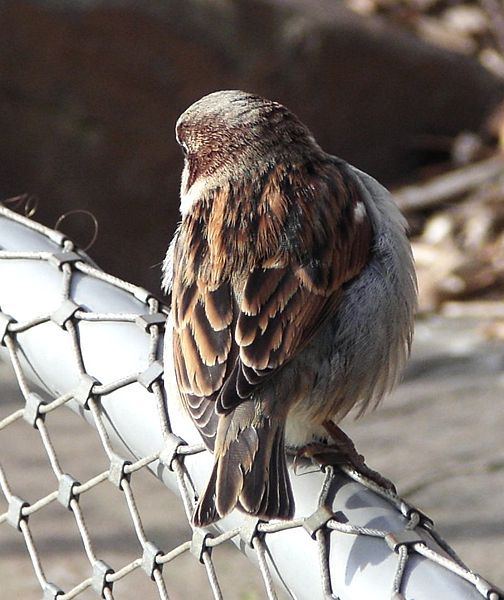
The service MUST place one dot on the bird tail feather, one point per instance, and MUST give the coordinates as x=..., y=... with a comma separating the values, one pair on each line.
x=250, y=472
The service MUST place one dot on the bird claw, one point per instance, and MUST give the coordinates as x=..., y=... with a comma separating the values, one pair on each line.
x=324, y=455
x=314, y=452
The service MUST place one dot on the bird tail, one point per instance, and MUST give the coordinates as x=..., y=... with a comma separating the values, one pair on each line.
x=250, y=470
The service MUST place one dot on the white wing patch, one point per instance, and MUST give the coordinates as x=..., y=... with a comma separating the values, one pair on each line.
x=359, y=212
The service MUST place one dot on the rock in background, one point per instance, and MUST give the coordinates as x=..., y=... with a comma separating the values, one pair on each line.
x=90, y=92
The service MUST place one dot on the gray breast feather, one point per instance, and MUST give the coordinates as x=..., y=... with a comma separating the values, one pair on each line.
x=370, y=337
x=358, y=356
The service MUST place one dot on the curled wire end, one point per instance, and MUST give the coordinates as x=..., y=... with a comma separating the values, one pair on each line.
x=26, y=204
x=80, y=211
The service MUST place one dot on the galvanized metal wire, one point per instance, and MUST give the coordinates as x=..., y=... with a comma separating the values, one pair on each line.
x=35, y=412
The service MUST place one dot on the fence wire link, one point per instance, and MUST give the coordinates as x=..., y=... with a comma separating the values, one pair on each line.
x=68, y=491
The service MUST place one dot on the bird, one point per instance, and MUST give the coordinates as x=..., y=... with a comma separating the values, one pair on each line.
x=293, y=294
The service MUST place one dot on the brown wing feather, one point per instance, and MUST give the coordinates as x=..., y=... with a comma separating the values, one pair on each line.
x=202, y=339
x=202, y=343
x=231, y=337
x=275, y=336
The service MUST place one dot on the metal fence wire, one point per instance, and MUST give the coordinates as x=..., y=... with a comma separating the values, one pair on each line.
x=37, y=407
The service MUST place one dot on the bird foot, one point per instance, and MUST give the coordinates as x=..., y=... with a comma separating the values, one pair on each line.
x=341, y=452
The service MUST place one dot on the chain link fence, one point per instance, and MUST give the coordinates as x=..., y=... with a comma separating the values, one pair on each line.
x=77, y=337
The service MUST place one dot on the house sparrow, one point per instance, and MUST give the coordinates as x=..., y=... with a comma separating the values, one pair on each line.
x=293, y=294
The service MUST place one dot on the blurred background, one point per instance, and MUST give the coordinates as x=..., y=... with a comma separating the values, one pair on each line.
x=410, y=91
x=90, y=92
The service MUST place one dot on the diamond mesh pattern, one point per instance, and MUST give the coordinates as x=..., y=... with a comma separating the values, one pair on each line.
x=100, y=403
